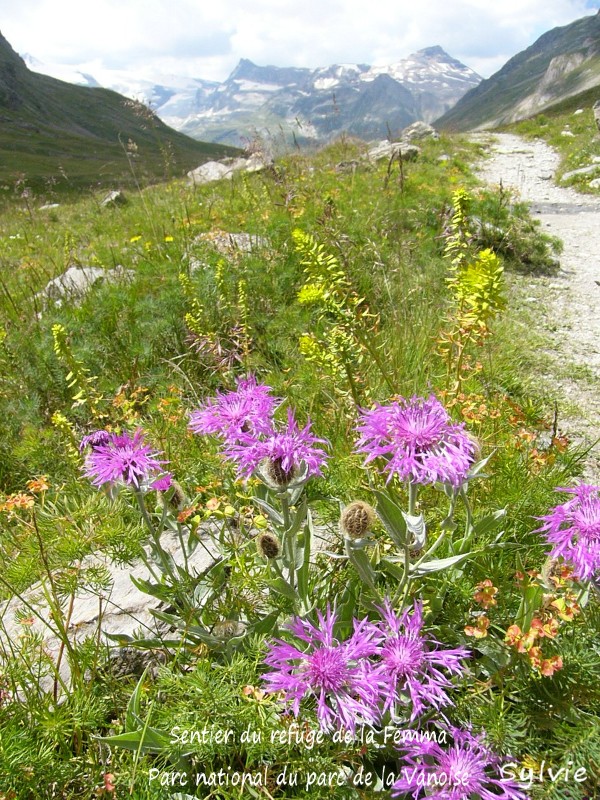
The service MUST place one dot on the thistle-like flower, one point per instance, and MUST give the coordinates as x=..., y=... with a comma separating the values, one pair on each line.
x=123, y=459
x=268, y=545
x=338, y=674
x=281, y=454
x=413, y=664
x=232, y=415
x=419, y=441
x=573, y=530
x=466, y=770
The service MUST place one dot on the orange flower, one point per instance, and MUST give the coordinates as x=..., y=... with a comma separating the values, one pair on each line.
x=16, y=501
x=486, y=596
x=479, y=630
x=38, y=484
x=551, y=665
x=513, y=635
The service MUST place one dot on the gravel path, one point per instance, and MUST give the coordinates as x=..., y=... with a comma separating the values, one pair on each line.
x=567, y=306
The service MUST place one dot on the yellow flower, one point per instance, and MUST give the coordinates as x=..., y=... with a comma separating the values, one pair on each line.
x=135, y=239
x=169, y=239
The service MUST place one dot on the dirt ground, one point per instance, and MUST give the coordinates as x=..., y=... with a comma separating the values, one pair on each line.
x=567, y=305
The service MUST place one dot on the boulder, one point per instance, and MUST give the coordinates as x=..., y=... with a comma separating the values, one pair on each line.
x=226, y=168
x=595, y=184
x=114, y=198
x=419, y=130
x=76, y=282
x=387, y=150
x=228, y=243
x=596, y=110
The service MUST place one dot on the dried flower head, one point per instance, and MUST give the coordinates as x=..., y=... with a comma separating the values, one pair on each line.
x=419, y=441
x=357, y=520
x=268, y=545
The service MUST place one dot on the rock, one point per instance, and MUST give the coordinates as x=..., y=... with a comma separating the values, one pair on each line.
x=119, y=609
x=419, y=130
x=567, y=133
x=595, y=184
x=443, y=158
x=227, y=243
x=387, y=150
x=114, y=198
x=76, y=282
x=596, y=110
x=582, y=171
x=224, y=170
x=578, y=112
x=48, y=206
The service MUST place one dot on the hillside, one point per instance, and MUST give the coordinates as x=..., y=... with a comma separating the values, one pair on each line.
x=55, y=134
x=560, y=64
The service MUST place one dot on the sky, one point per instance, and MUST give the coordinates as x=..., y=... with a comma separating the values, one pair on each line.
x=206, y=38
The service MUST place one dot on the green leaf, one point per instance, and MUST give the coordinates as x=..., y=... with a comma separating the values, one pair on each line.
x=438, y=564
x=392, y=517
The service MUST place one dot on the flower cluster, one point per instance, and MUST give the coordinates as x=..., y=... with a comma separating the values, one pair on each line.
x=573, y=530
x=123, y=459
x=466, y=769
x=384, y=665
x=418, y=440
x=244, y=421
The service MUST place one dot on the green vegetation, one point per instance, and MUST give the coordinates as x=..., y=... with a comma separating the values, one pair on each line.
x=362, y=283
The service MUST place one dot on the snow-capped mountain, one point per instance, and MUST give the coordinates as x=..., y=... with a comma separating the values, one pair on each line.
x=292, y=102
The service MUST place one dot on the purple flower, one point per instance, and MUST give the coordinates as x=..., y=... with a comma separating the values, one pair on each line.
x=411, y=663
x=465, y=770
x=419, y=441
x=123, y=459
x=95, y=439
x=573, y=529
x=163, y=483
x=283, y=451
x=338, y=674
x=231, y=415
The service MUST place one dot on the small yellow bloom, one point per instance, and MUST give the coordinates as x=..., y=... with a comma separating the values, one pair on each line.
x=169, y=239
x=135, y=239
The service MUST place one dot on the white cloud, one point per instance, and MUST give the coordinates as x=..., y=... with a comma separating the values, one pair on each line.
x=206, y=39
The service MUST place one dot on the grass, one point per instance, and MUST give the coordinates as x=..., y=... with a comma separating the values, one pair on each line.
x=146, y=351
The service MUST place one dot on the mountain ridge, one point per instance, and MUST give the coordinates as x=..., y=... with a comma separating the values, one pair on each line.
x=311, y=105
x=561, y=63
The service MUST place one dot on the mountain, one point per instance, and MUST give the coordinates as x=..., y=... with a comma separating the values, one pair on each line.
x=52, y=132
x=562, y=63
x=298, y=103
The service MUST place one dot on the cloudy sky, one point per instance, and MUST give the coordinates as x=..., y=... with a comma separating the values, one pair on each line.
x=206, y=38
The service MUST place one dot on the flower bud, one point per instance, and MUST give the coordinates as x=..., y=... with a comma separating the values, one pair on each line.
x=357, y=519
x=268, y=545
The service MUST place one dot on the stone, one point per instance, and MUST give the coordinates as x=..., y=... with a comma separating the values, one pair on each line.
x=596, y=110
x=115, y=607
x=75, y=283
x=581, y=171
x=387, y=150
x=228, y=243
x=49, y=206
x=226, y=168
x=595, y=184
x=567, y=133
x=419, y=130
x=114, y=198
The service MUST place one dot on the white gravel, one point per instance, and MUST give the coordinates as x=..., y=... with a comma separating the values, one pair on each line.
x=568, y=305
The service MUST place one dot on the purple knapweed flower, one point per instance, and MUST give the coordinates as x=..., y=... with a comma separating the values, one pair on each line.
x=466, y=769
x=413, y=664
x=123, y=459
x=94, y=439
x=163, y=483
x=282, y=452
x=338, y=674
x=419, y=441
x=573, y=529
x=231, y=415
